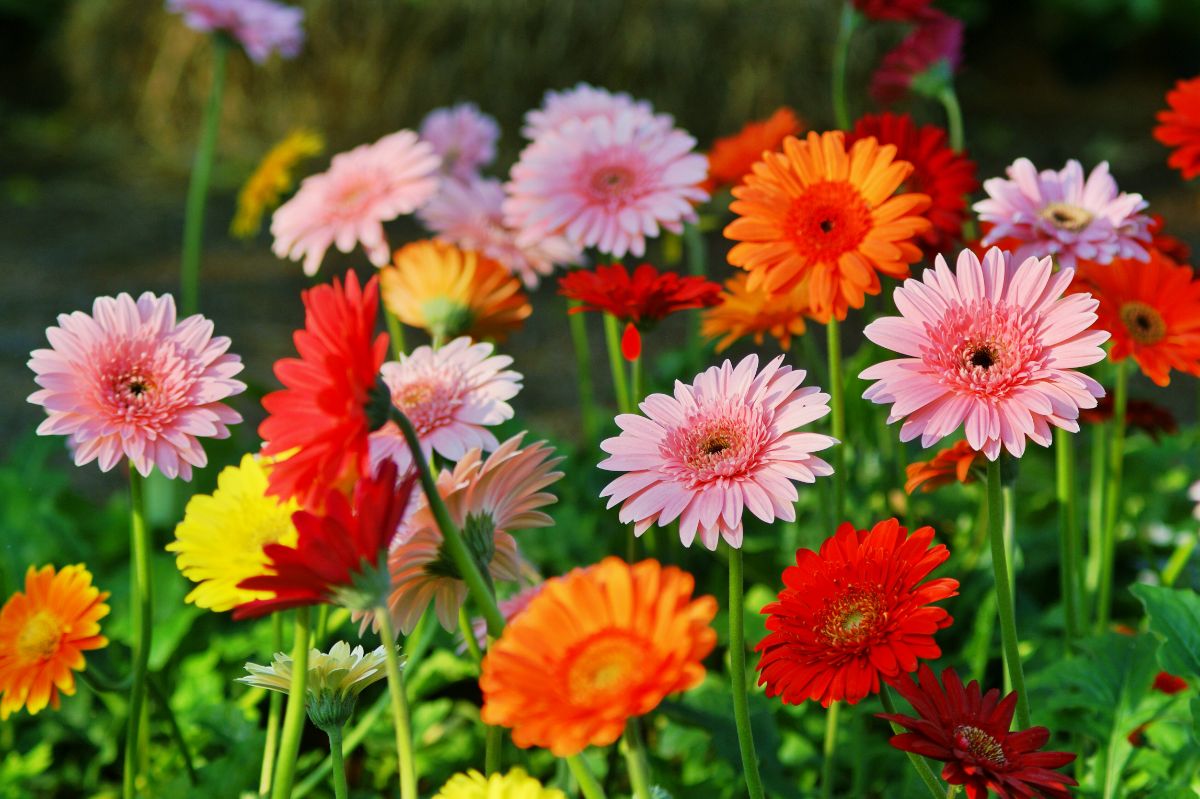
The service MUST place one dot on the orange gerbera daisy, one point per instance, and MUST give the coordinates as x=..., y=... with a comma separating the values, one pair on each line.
x=949, y=464
x=593, y=649
x=743, y=312
x=450, y=292
x=819, y=215
x=43, y=635
x=732, y=157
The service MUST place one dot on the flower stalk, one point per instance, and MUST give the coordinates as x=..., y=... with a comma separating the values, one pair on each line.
x=1004, y=593
x=841, y=52
x=920, y=765
x=294, y=716
x=1068, y=532
x=142, y=604
x=399, y=702
x=1112, y=497
x=829, y=749
x=583, y=376
x=340, y=789
x=837, y=405
x=634, y=749
x=616, y=363
x=737, y=676
x=274, y=708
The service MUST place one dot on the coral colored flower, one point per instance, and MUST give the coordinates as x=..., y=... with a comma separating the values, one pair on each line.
x=488, y=500
x=948, y=465
x=1179, y=127
x=43, y=635
x=449, y=293
x=470, y=215
x=923, y=62
x=1177, y=250
x=451, y=395
x=1151, y=418
x=130, y=381
x=516, y=784
x=818, y=215
x=948, y=177
x=969, y=731
x=259, y=26
x=717, y=448
x=1168, y=683
x=853, y=613
x=463, y=136
x=896, y=10
x=992, y=347
x=348, y=203
x=597, y=647
x=584, y=102
x=319, y=419
x=607, y=183
x=742, y=312
x=509, y=608
x=732, y=157
x=220, y=541
x=273, y=176
x=1059, y=214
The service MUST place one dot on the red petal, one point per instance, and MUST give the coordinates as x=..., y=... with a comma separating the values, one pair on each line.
x=631, y=343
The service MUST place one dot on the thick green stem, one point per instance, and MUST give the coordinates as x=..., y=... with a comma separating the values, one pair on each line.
x=837, y=404
x=583, y=374
x=1112, y=497
x=1004, y=593
x=340, y=789
x=829, y=749
x=493, y=735
x=616, y=363
x=954, y=119
x=1095, y=517
x=141, y=606
x=635, y=760
x=399, y=699
x=920, y=765
x=697, y=262
x=636, y=380
x=1068, y=532
x=294, y=716
x=841, y=52
x=274, y=708
x=583, y=775
x=737, y=676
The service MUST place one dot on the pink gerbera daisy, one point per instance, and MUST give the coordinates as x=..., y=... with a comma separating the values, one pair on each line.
x=1061, y=215
x=720, y=446
x=451, y=395
x=993, y=347
x=348, y=204
x=130, y=381
x=259, y=26
x=606, y=183
x=470, y=215
x=584, y=102
x=463, y=136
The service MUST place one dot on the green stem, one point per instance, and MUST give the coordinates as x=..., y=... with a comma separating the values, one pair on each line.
x=274, y=708
x=141, y=605
x=636, y=379
x=1095, y=516
x=841, y=51
x=616, y=363
x=1004, y=593
x=954, y=119
x=1112, y=498
x=340, y=789
x=1178, y=560
x=492, y=735
x=468, y=634
x=395, y=331
x=173, y=725
x=636, y=761
x=697, y=262
x=737, y=676
x=197, y=196
x=1068, y=532
x=920, y=765
x=583, y=374
x=837, y=405
x=294, y=716
x=399, y=699
x=829, y=749
x=583, y=775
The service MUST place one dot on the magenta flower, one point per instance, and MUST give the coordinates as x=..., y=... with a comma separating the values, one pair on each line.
x=926, y=58
x=723, y=445
x=993, y=348
x=130, y=381
x=348, y=204
x=463, y=136
x=584, y=102
x=259, y=26
x=1059, y=214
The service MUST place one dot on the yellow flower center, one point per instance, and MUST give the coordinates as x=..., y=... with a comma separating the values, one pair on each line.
x=981, y=745
x=39, y=638
x=1065, y=216
x=602, y=667
x=1144, y=323
x=853, y=617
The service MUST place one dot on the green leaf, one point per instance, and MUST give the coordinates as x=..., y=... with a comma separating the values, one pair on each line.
x=1175, y=618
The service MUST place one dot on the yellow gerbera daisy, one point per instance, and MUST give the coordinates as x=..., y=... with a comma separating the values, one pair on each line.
x=744, y=312
x=271, y=179
x=516, y=784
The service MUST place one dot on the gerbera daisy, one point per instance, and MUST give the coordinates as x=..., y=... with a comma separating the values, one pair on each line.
x=463, y=136
x=43, y=635
x=1059, y=214
x=742, y=312
x=992, y=347
x=261, y=27
x=597, y=647
x=718, y=447
x=895, y=10
x=130, y=381
x=488, y=499
x=273, y=176
x=951, y=463
x=946, y=176
x=452, y=395
x=607, y=183
x=348, y=203
x=1151, y=418
x=319, y=419
x=732, y=157
x=925, y=60
x=970, y=732
x=516, y=784
x=449, y=293
x=220, y=541
x=1179, y=127
x=584, y=102
x=640, y=300
x=1176, y=249
x=816, y=214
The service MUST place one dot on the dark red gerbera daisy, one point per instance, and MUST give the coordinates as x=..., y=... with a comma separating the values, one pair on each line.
x=853, y=613
x=945, y=175
x=897, y=10
x=318, y=422
x=970, y=733
x=1175, y=249
x=640, y=300
x=340, y=555
x=931, y=53
x=1179, y=127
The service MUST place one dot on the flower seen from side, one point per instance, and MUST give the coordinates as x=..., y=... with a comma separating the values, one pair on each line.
x=584, y=102
x=271, y=179
x=463, y=136
x=953, y=463
x=924, y=62
x=261, y=27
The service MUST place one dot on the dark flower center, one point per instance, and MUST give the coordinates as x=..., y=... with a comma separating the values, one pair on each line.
x=611, y=181
x=1144, y=323
x=716, y=444
x=853, y=617
x=982, y=358
x=980, y=745
x=826, y=225
x=1065, y=216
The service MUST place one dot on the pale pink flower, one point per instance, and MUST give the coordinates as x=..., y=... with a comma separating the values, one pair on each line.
x=509, y=608
x=260, y=26
x=993, y=348
x=605, y=183
x=722, y=445
x=452, y=395
x=469, y=215
x=584, y=102
x=348, y=204
x=128, y=381
x=463, y=136
x=1059, y=214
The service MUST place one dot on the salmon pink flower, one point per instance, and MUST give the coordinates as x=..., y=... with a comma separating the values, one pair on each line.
x=259, y=26
x=463, y=136
x=584, y=102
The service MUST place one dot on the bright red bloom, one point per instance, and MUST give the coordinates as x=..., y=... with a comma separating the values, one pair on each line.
x=1179, y=127
x=732, y=157
x=1168, y=683
x=936, y=43
x=1175, y=249
x=898, y=10
x=853, y=613
x=969, y=732
x=318, y=422
x=945, y=175
x=340, y=555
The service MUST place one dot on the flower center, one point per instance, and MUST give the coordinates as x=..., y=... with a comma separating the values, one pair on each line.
x=1144, y=323
x=38, y=639
x=354, y=194
x=827, y=220
x=853, y=617
x=984, y=349
x=980, y=745
x=430, y=403
x=712, y=444
x=1065, y=216
x=603, y=666
x=981, y=357
x=611, y=182
x=132, y=386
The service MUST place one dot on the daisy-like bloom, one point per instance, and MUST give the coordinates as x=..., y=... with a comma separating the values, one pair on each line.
x=924, y=61
x=488, y=500
x=607, y=183
x=261, y=27
x=970, y=732
x=1151, y=418
x=819, y=215
x=463, y=136
x=992, y=347
x=319, y=419
x=1064, y=216
x=516, y=784
x=855, y=612
x=1152, y=310
x=130, y=381
x=220, y=541
x=273, y=176
x=470, y=215
x=449, y=292
x=452, y=395
x=732, y=157
x=44, y=632
x=584, y=102
x=509, y=608
x=742, y=312
x=950, y=464
x=1176, y=249
x=946, y=176
x=1179, y=127
x=640, y=300
x=348, y=204
x=718, y=447
x=895, y=10
x=597, y=647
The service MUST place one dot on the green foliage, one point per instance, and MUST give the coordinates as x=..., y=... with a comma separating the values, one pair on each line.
x=1174, y=616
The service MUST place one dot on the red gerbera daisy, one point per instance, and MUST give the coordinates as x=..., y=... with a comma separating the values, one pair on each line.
x=1175, y=249
x=934, y=45
x=1179, y=127
x=640, y=300
x=969, y=732
x=898, y=10
x=853, y=613
x=945, y=175
x=318, y=422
